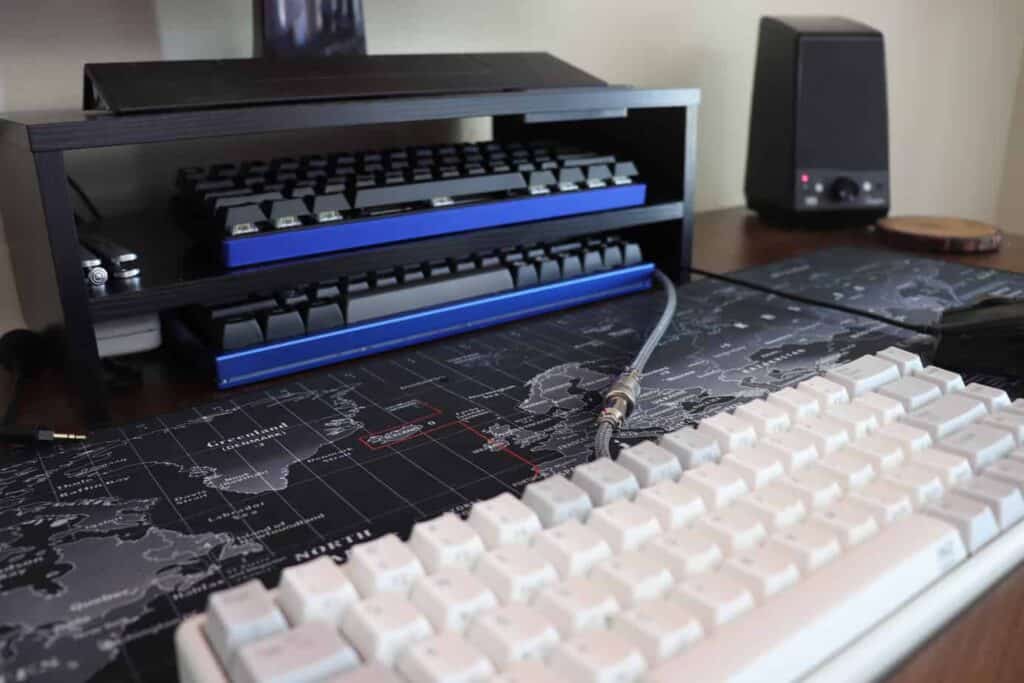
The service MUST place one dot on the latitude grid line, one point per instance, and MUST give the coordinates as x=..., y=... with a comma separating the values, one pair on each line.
x=326, y=442
x=360, y=465
x=408, y=460
x=469, y=377
x=253, y=469
x=449, y=448
x=399, y=453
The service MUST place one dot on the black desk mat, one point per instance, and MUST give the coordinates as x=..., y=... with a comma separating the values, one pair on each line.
x=105, y=546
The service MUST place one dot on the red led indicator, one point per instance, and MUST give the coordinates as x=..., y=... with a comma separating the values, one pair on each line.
x=804, y=178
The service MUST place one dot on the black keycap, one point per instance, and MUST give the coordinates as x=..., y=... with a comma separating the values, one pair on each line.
x=438, y=268
x=625, y=168
x=323, y=316
x=548, y=271
x=524, y=274
x=243, y=308
x=372, y=157
x=513, y=257
x=592, y=261
x=311, y=173
x=570, y=175
x=326, y=207
x=357, y=286
x=326, y=290
x=366, y=180
x=535, y=253
x=257, y=198
x=386, y=278
x=473, y=169
x=373, y=167
x=631, y=255
x=448, y=172
x=210, y=197
x=233, y=217
x=285, y=176
x=598, y=172
x=542, y=178
x=292, y=298
x=315, y=161
x=612, y=256
x=257, y=167
x=464, y=266
x=285, y=212
x=489, y=261
x=412, y=273
x=394, y=178
x=565, y=246
x=334, y=184
x=571, y=266
x=549, y=165
x=432, y=292
x=525, y=168
x=286, y=164
x=302, y=191
x=238, y=333
x=418, y=192
x=252, y=180
x=590, y=160
x=282, y=323
x=500, y=168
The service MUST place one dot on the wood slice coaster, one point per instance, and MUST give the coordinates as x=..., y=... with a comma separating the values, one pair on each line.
x=937, y=233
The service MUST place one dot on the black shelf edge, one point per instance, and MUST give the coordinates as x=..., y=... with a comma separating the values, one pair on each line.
x=83, y=131
x=238, y=283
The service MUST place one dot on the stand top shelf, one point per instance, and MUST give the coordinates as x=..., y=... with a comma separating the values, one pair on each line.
x=57, y=131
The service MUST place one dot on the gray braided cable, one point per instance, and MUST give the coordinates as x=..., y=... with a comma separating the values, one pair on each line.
x=622, y=397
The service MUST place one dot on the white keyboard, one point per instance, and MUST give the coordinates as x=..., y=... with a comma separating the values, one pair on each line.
x=822, y=533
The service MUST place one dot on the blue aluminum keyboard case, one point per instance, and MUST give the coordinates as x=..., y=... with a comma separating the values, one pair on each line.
x=265, y=247
x=303, y=353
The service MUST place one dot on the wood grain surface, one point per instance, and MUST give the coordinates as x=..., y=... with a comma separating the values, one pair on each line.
x=984, y=643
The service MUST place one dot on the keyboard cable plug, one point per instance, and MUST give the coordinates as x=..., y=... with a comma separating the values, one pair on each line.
x=621, y=398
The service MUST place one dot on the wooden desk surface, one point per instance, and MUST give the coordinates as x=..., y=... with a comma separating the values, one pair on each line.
x=979, y=645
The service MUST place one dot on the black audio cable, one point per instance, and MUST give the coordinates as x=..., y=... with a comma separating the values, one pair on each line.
x=24, y=354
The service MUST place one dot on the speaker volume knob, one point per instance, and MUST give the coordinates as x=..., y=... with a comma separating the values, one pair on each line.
x=845, y=189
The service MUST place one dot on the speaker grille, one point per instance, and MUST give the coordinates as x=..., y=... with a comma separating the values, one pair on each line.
x=841, y=119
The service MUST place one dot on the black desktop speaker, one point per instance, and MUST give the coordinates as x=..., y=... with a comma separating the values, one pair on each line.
x=819, y=141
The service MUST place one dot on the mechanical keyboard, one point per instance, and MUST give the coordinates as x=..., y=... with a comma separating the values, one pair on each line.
x=337, y=320
x=262, y=211
x=820, y=532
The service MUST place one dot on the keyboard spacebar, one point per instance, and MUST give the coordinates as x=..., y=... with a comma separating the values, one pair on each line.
x=387, y=195
x=378, y=303
x=798, y=629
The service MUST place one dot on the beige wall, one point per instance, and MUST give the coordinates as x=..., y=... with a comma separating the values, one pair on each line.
x=953, y=70
x=1011, y=197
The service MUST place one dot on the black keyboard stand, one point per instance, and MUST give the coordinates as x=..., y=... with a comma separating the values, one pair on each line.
x=655, y=128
